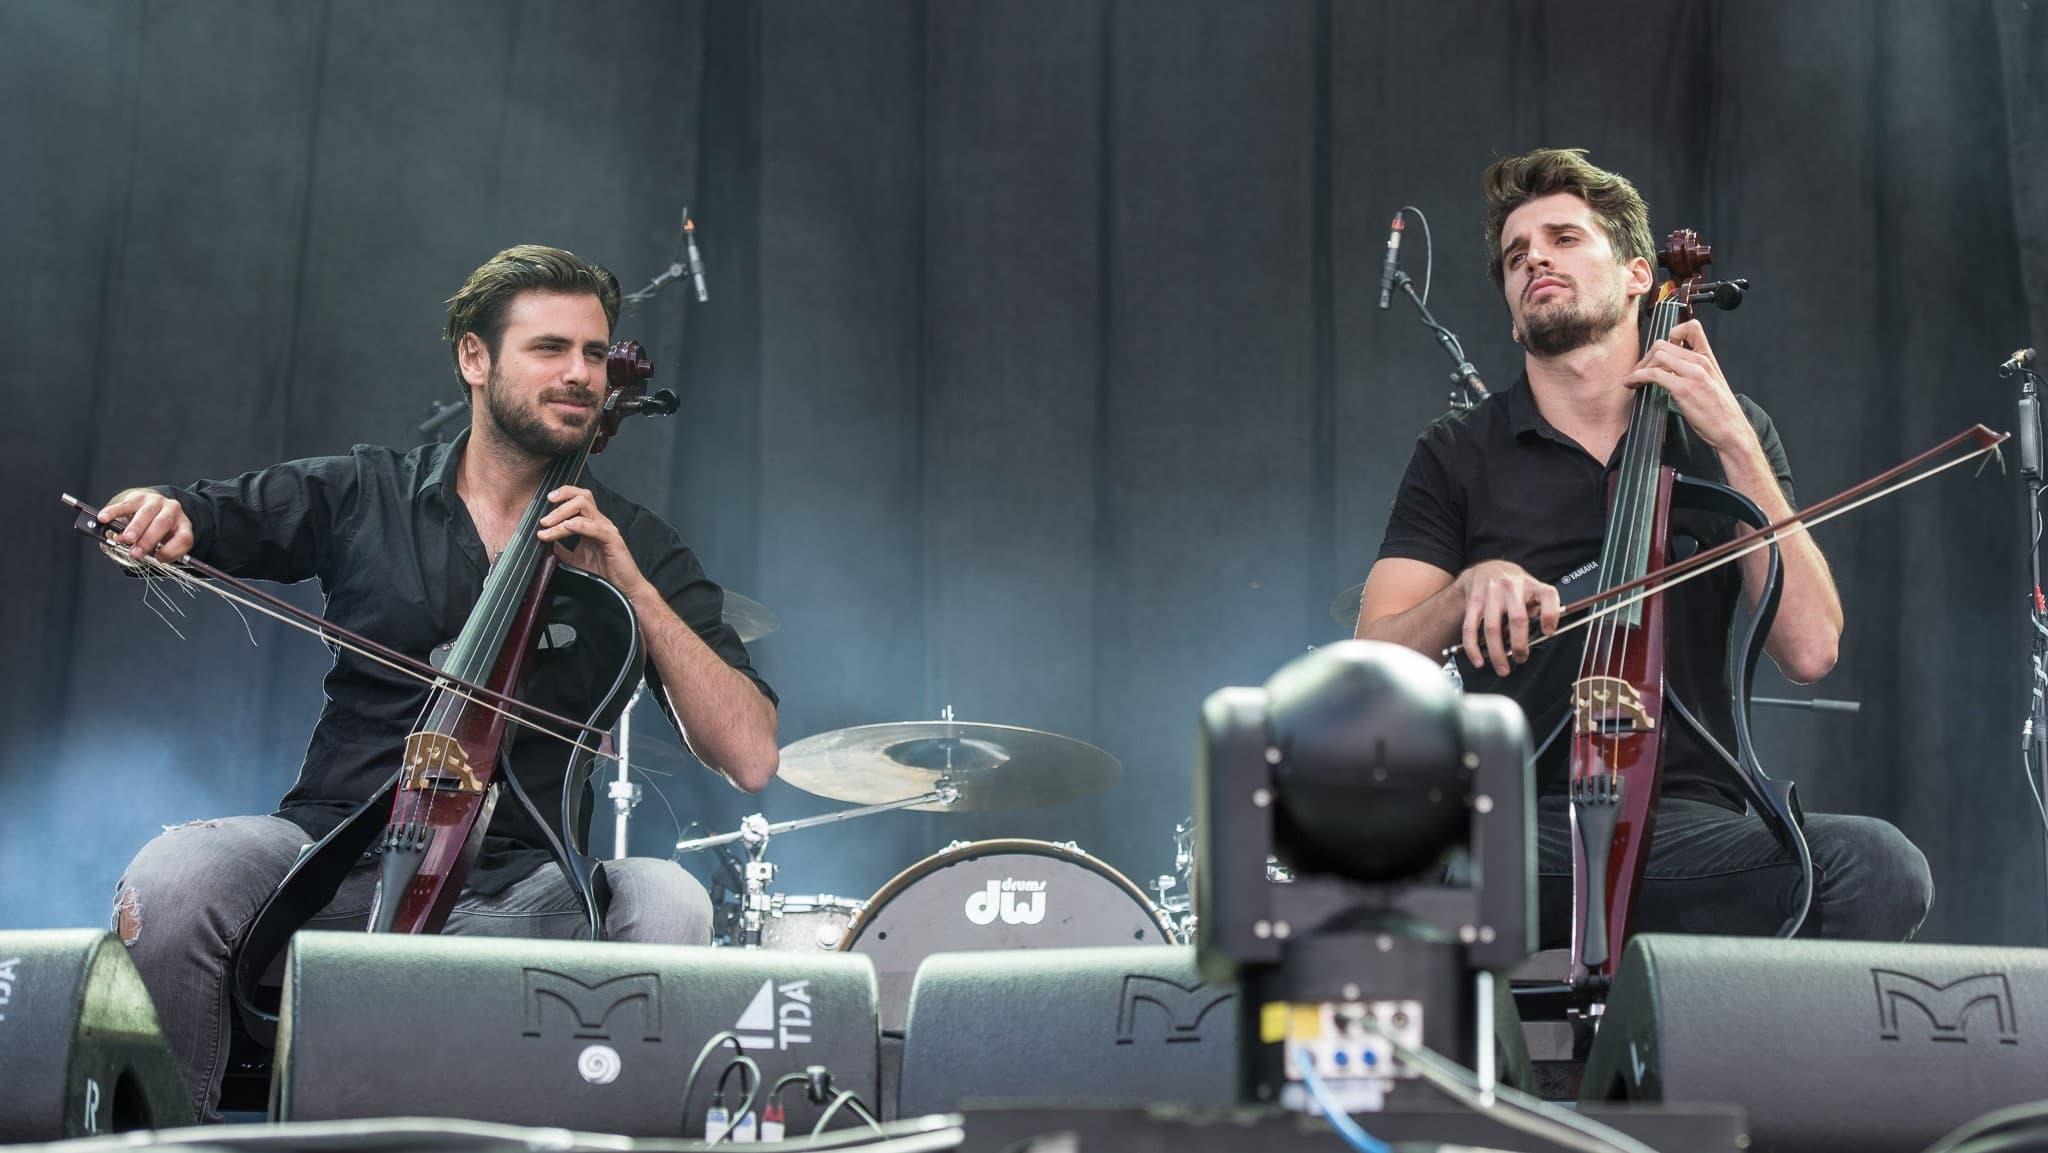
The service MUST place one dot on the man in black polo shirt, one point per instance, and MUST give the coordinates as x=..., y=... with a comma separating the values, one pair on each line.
x=1503, y=505
x=400, y=544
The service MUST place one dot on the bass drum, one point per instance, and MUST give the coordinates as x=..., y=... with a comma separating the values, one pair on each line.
x=1008, y=894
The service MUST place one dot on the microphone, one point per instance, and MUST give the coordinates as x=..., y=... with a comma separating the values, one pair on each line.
x=2024, y=358
x=1393, y=258
x=696, y=258
x=2030, y=433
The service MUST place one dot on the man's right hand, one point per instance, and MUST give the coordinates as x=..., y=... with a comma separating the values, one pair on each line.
x=156, y=523
x=1498, y=597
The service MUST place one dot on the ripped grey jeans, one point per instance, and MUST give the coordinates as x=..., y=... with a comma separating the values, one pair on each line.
x=188, y=896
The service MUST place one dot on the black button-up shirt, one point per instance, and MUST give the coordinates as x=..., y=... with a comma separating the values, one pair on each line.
x=401, y=563
x=1500, y=483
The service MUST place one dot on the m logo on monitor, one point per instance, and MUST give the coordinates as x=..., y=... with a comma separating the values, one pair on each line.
x=591, y=1005
x=1183, y=1007
x=1949, y=1010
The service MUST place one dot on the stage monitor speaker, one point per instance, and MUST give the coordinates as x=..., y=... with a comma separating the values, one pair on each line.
x=1121, y=1025
x=593, y=1037
x=1828, y=1044
x=80, y=1049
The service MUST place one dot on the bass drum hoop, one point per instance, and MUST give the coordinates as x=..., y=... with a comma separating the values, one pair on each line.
x=971, y=849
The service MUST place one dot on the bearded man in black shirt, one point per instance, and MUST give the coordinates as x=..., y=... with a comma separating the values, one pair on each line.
x=401, y=544
x=1503, y=504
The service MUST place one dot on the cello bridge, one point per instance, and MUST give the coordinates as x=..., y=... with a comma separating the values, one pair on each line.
x=1608, y=705
x=436, y=761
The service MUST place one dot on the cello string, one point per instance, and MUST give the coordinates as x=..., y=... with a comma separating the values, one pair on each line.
x=1643, y=491
x=524, y=552
x=1634, y=497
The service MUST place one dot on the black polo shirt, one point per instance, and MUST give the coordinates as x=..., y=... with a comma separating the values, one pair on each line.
x=400, y=562
x=1500, y=483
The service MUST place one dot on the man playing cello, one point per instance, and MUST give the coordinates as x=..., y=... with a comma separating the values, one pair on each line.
x=1503, y=506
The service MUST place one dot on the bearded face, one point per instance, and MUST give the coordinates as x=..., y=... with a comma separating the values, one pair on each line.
x=543, y=384
x=1566, y=287
x=546, y=425
x=1568, y=318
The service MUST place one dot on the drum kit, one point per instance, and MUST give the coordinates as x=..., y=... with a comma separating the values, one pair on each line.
x=971, y=895
x=995, y=894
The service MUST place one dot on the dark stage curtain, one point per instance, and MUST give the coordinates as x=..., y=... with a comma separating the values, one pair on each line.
x=1041, y=376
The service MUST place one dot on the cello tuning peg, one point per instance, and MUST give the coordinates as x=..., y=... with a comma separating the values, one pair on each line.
x=1725, y=295
x=662, y=403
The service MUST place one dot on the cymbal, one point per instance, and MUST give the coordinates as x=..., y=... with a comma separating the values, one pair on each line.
x=995, y=767
x=1344, y=610
x=748, y=617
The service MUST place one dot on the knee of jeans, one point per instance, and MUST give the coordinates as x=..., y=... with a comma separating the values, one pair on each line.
x=168, y=882
x=1897, y=887
x=656, y=901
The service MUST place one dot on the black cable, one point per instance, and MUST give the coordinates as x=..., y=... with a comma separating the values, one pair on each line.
x=844, y=1097
x=775, y=1091
x=751, y=1085
x=2033, y=1114
x=697, y=1066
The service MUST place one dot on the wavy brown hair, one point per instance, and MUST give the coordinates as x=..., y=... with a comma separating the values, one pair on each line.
x=1513, y=181
x=480, y=305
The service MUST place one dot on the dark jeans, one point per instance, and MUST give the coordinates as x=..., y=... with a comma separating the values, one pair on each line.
x=1716, y=871
x=188, y=896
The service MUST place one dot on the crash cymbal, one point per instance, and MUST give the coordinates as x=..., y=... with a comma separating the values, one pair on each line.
x=1344, y=610
x=995, y=767
x=748, y=617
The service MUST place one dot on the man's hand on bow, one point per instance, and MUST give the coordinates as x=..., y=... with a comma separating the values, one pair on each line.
x=1498, y=597
x=156, y=524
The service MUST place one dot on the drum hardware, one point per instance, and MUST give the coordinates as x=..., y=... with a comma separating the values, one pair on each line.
x=1179, y=909
x=757, y=905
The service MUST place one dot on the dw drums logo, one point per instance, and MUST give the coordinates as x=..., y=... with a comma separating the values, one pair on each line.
x=1948, y=1009
x=1016, y=902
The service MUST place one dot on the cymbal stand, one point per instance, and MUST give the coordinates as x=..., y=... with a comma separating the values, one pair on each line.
x=756, y=903
x=1180, y=909
x=623, y=790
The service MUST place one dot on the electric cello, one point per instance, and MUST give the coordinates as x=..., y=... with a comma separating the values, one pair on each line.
x=426, y=823
x=1618, y=707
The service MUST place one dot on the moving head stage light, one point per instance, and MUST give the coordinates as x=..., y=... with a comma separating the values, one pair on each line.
x=1405, y=812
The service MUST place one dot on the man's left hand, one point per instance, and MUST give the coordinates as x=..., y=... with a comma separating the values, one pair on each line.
x=598, y=547
x=1684, y=366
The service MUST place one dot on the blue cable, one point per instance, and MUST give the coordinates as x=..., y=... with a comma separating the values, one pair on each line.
x=1339, y=1120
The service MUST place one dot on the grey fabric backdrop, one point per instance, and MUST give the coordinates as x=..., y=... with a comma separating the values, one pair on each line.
x=1041, y=376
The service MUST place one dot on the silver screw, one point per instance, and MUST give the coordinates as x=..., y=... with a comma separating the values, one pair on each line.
x=1385, y=943
x=1483, y=803
x=1471, y=760
x=1281, y=929
x=1272, y=754
x=1262, y=929
x=1350, y=991
x=1467, y=934
x=1486, y=934
x=1261, y=797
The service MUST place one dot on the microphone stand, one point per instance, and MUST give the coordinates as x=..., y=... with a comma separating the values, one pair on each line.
x=2034, y=733
x=1467, y=389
